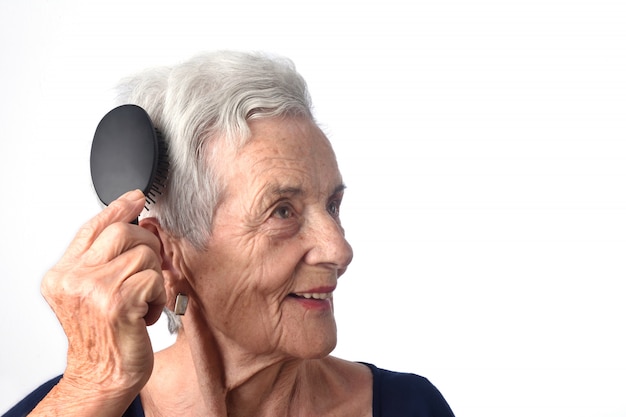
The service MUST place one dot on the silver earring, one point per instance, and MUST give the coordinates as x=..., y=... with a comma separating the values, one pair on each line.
x=180, y=307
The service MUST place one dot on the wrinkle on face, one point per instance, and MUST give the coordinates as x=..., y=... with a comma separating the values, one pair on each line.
x=254, y=258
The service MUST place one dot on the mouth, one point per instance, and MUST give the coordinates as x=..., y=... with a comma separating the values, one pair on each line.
x=313, y=295
x=315, y=299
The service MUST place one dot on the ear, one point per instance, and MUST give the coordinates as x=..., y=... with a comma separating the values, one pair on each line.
x=174, y=278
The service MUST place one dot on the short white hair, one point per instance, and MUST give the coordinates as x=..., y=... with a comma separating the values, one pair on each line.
x=200, y=102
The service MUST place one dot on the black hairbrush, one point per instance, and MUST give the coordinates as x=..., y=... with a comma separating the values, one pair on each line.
x=128, y=153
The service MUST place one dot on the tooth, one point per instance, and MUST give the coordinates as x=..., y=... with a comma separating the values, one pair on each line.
x=314, y=295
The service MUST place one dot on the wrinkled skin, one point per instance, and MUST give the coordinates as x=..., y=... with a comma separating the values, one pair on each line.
x=277, y=232
x=105, y=289
x=260, y=321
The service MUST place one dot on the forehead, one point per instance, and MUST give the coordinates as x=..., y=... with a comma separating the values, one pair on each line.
x=283, y=152
x=296, y=137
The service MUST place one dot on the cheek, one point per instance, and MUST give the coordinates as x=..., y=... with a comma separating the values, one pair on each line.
x=278, y=266
x=229, y=283
x=243, y=270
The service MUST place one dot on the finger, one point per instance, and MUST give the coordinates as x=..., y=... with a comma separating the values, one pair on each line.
x=124, y=209
x=143, y=296
x=131, y=262
x=117, y=239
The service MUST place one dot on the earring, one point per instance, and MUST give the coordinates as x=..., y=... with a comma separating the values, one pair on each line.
x=180, y=307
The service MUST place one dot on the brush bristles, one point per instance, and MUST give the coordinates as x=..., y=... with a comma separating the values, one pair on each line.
x=161, y=173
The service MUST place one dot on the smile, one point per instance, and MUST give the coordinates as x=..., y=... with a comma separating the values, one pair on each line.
x=314, y=295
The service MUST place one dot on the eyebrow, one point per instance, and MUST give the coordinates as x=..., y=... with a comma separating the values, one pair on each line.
x=281, y=191
x=339, y=188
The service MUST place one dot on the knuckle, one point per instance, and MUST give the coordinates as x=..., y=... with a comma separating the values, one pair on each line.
x=156, y=277
x=87, y=231
x=117, y=230
x=54, y=284
x=149, y=257
x=45, y=288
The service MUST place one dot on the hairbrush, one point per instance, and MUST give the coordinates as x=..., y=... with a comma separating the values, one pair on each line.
x=128, y=153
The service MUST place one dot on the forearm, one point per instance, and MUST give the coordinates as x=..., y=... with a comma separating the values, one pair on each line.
x=71, y=401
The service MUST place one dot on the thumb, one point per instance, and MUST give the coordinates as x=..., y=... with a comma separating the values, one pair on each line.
x=125, y=209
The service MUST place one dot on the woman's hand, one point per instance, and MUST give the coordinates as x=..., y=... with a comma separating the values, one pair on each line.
x=105, y=290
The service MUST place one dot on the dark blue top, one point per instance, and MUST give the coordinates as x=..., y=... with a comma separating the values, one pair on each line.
x=395, y=394
x=398, y=394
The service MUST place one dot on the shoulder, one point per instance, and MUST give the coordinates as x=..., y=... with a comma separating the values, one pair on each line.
x=406, y=394
x=31, y=400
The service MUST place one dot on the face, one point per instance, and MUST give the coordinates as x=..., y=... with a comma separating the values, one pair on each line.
x=266, y=278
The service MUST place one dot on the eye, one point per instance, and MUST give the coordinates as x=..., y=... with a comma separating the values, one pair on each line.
x=283, y=212
x=333, y=208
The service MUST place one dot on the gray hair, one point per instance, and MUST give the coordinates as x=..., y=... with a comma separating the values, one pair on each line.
x=200, y=102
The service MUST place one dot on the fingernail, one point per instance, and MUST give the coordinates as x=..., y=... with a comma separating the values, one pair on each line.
x=133, y=195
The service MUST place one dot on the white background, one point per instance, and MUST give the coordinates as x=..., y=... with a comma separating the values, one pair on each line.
x=483, y=145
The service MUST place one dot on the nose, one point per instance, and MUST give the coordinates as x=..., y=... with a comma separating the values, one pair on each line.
x=329, y=247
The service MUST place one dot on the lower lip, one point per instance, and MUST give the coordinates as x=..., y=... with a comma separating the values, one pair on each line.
x=314, y=304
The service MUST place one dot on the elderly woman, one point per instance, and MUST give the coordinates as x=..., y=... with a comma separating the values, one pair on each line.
x=245, y=245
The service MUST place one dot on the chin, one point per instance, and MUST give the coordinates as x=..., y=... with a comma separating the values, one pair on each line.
x=309, y=338
x=320, y=353
x=316, y=348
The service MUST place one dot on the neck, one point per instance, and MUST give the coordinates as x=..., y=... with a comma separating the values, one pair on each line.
x=229, y=387
x=183, y=384
x=269, y=392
